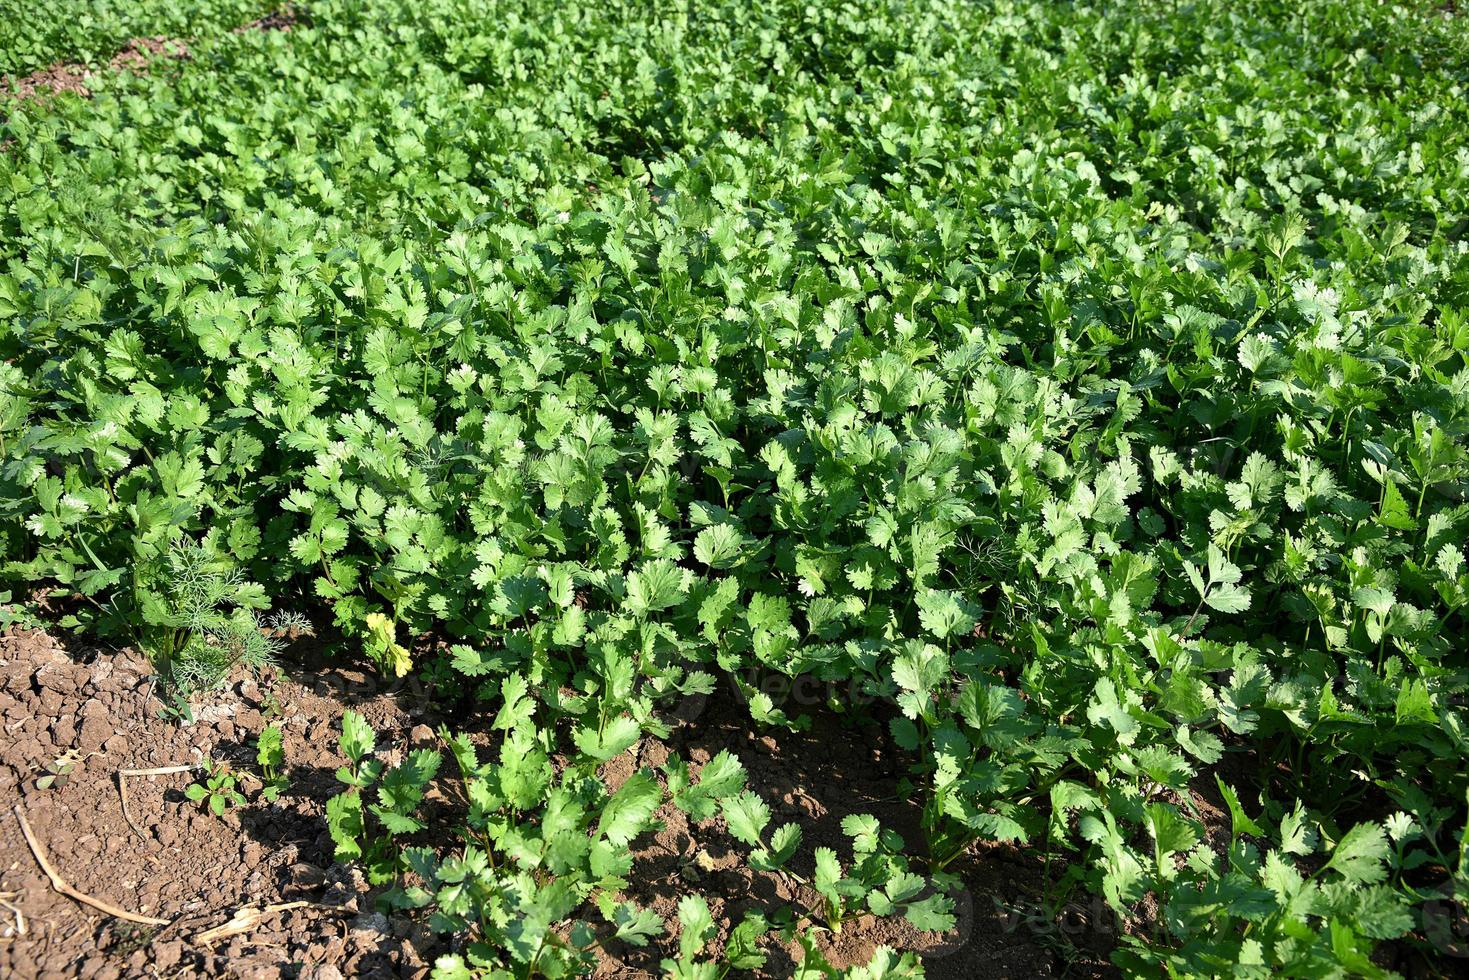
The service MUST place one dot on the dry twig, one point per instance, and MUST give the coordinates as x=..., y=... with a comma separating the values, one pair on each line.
x=249, y=917
x=122, y=789
x=20, y=919
x=59, y=883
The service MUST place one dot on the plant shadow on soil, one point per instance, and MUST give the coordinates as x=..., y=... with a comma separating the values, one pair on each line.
x=56, y=695
x=842, y=765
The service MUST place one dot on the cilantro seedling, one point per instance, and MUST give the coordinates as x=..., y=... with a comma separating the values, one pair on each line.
x=270, y=756
x=219, y=791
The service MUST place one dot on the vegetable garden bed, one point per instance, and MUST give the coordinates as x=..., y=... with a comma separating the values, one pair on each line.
x=873, y=490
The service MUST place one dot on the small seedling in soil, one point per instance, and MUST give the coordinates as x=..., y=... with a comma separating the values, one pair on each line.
x=270, y=705
x=59, y=770
x=696, y=927
x=270, y=754
x=879, y=879
x=176, y=709
x=129, y=937
x=219, y=791
x=399, y=792
x=886, y=963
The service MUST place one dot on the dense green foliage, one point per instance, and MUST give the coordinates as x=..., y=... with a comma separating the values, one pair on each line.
x=36, y=35
x=1084, y=385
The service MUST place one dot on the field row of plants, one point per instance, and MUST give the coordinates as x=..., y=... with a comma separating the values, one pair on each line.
x=1082, y=385
x=34, y=37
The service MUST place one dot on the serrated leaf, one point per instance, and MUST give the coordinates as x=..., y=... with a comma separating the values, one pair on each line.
x=627, y=812
x=747, y=816
x=616, y=737
x=357, y=740
x=933, y=914
x=1361, y=855
x=696, y=925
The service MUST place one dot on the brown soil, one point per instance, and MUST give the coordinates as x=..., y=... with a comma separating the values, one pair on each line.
x=815, y=778
x=73, y=77
x=97, y=706
x=192, y=866
x=282, y=19
x=70, y=76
